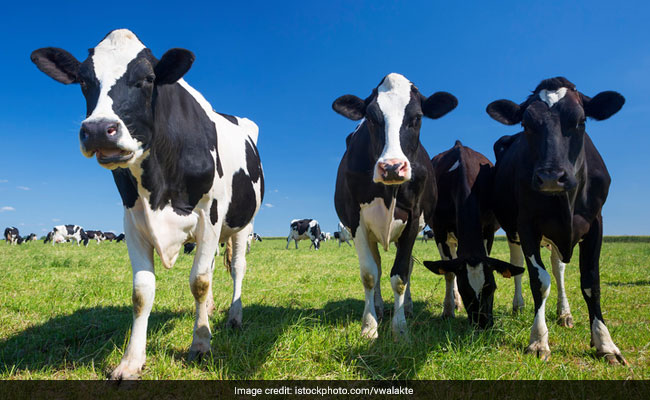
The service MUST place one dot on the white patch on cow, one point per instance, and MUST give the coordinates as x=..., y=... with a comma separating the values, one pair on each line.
x=398, y=325
x=563, y=309
x=61, y=234
x=550, y=97
x=453, y=167
x=539, y=331
x=476, y=278
x=544, y=277
x=587, y=292
x=380, y=221
x=601, y=338
x=393, y=95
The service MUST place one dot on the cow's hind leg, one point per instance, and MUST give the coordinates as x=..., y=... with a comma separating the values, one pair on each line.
x=517, y=258
x=369, y=272
x=452, y=299
x=144, y=290
x=237, y=273
x=564, y=317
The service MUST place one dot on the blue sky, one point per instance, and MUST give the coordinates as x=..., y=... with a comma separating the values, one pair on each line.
x=282, y=65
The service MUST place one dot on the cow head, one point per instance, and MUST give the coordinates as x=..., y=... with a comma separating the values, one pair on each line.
x=476, y=283
x=119, y=80
x=553, y=118
x=393, y=115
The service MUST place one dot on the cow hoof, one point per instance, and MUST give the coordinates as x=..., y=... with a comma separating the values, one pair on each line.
x=198, y=352
x=233, y=323
x=448, y=313
x=126, y=372
x=369, y=332
x=612, y=359
x=539, y=350
x=565, y=320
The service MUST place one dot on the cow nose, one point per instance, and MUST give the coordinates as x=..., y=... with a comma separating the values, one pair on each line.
x=393, y=169
x=98, y=129
x=552, y=180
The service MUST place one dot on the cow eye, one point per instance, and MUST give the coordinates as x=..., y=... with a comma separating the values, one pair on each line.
x=150, y=78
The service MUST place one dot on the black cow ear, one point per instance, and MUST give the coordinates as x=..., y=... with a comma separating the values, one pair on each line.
x=603, y=105
x=505, y=111
x=57, y=63
x=439, y=104
x=350, y=106
x=443, y=266
x=173, y=65
x=507, y=270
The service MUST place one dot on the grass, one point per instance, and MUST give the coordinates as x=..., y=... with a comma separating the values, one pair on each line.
x=65, y=313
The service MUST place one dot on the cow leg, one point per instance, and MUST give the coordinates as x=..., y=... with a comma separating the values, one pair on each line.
x=207, y=245
x=399, y=278
x=457, y=299
x=564, y=317
x=379, y=301
x=288, y=241
x=237, y=272
x=408, y=300
x=590, y=285
x=517, y=258
x=144, y=290
x=540, y=285
x=369, y=276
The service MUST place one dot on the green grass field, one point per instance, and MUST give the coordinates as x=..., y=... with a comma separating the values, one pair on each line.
x=65, y=313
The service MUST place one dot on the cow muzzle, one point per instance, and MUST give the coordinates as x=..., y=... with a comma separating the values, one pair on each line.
x=552, y=181
x=392, y=172
x=101, y=138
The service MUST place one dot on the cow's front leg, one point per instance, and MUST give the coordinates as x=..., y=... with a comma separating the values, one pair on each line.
x=379, y=301
x=144, y=289
x=207, y=244
x=399, y=279
x=564, y=317
x=369, y=274
x=452, y=299
x=408, y=300
x=517, y=258
x=590, y=285
x=237, y=273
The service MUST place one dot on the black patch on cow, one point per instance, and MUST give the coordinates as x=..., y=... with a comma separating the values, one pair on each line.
x=71, y=229
x=243, y=203
x=126, y=185
x=253, y=161
x=214, y=216
x=229, y=118
x=300, y=225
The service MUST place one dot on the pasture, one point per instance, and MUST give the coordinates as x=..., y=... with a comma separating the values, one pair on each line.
x=65, y=313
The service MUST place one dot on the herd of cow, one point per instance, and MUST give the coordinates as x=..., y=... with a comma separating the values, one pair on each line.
x=186, y=173
x=62, y=234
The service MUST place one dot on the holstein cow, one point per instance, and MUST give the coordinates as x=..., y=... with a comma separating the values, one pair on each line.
x=63, y=233
x=385, y=187
x=343, y=235
x=30, y=238
x=252, y=237
x=550, y=186
x=427, y=235
x=300, y=229
x=184, y=171
x=97, y=236
x=120, y=237
x=464, y=225
x=12, y=235
x=110, y=236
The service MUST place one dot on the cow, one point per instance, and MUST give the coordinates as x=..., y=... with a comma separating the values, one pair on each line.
x=97, y=236
x=300, y=229
x=464, y=225
x=252, y=237
x=327, y=236
x=385, y=187
x=110, y=236
x=64, y=233
x=427, y=235
x=30, y=238
x=184, y=172
x=120, y=237
x=343, y=235
x=48, y=237
x=549, y=188
x=12, y=235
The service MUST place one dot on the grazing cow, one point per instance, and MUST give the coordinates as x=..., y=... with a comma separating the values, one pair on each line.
x=183, y=171
x=63, y=233
x=12, y=236
x=300, y=229
x=252, y=237
x=343, y=235
x=30, y=238
x=385, y=187
x=327, y=236
x=110, y=236
x=48, y=237
x=464, y=226
x=427, y=235
x=120, y=237
x=549, y=188
x=97, y=236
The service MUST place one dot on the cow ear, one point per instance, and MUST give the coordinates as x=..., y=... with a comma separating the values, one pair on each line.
x=57, y=63
x=603, y=105
x=439, y=104
x=443, y=266
x=504, y=111
x=507, y=270
x=350, y=106
x=173, y=65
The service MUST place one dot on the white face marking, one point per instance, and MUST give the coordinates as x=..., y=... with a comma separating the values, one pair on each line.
x=550, y=97
x=453, y=167
x=476, y=278
x=393, y=95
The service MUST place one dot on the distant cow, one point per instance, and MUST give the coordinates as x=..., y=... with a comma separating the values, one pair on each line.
x=184, y=172
x=97, y=236
x=120, y=237
x=30, y=238
x=110, y=236
x=464, y=226
x=343, y=235
x=300, y=229
x=12, y=235
x=385, y=187
x=252, y=237
x=549, y=188
x=63, y=233
x=427, y=235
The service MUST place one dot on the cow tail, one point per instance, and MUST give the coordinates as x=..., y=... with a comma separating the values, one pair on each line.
x=227, y=255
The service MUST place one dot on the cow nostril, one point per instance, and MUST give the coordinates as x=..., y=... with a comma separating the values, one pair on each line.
x=538, y=179
x=563, y=178
x=112, y=130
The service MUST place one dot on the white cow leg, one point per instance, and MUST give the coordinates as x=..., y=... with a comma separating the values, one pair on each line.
x=517, y=258
x=540, y=284
x=564, y=317
x=144, y=290
x=379, y=301
x=449, y=303
x=237, y=273
x=369, y=273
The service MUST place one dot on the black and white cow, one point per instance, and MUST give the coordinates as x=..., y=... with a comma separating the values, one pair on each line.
x=385, y=187
x=427, y=235
x=343, y=235
x=300, y=229
x=97, y=236
x=550, y=186
x=109, y=236
x=252, y=237
x=30, y=238
x=12, y=235
x=63, y=233
x=120, y=237
x=183, y=170
x=464, y=225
